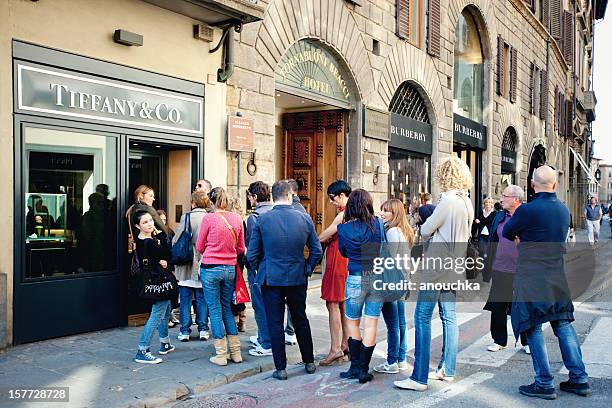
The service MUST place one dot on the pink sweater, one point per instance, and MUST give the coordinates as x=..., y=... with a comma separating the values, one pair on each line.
x=215, y=241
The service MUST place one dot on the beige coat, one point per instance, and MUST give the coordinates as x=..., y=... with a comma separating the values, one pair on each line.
x=190, y=271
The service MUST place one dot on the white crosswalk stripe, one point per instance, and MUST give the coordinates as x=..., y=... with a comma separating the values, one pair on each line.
x=478, y=354
x=436, y=330
x=596, y=350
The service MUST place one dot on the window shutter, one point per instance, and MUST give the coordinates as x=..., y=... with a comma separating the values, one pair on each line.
x=433, y=29
x=513, y=74
x=562, y=115
x=555, y=20
x=500, y=65
x=568, y=40
x=556, y=109
x=545, y=13
x=569, y=112
x=402, y=19
x=544, y=96
x=531, y=88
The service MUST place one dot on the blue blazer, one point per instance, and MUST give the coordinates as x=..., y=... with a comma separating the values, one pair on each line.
x=276, y=247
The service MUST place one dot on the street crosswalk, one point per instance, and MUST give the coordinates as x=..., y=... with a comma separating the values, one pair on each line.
x=595, y=348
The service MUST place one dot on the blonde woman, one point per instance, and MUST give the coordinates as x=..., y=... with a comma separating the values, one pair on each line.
x=400, y=237
x=481, y=229
x=448, y=229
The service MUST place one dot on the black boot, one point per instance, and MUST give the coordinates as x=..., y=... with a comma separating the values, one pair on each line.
x=355, y=350
x=364, y=364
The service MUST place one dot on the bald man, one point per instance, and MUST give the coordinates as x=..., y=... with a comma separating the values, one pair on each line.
x=541, y=293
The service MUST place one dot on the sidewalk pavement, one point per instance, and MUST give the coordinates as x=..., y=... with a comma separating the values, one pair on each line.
x=100, y=371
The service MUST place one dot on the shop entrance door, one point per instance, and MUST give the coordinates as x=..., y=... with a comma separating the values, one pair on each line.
x=314, y=157
x=171, y=170
x=473, y=158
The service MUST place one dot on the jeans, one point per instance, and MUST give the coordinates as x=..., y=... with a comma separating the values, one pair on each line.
x=275, y=298
x=158, y=319
x=219, y=284
x=422, y=323
x=201, y=309
x=593, y=228
x=259, y=310
x=570, y=351
x=355, y=300
x=394, y=314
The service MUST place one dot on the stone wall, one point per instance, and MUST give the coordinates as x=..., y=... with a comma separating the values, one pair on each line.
x=350, y=30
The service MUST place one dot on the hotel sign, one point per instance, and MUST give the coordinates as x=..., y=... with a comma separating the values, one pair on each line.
x=309, y=68
x=240, y=134
x=70, y=95
x=468, y=132
x=410, y=134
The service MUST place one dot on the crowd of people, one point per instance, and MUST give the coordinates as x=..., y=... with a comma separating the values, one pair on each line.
x=270, y=244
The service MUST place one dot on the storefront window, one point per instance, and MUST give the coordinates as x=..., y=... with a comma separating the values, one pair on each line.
x=408, y=176
x=469, y=69
x=70, y=203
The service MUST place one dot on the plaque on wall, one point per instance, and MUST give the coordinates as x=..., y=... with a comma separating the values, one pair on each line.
x=375, y=124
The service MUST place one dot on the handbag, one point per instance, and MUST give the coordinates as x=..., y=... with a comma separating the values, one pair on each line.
x=182, y=250
x=389, y=275
x=241, y=291
x=156, y=283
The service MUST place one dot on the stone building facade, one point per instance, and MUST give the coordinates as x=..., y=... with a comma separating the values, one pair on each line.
x=546, y=50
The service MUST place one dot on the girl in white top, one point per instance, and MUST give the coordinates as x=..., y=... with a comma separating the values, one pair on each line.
x=400, y=238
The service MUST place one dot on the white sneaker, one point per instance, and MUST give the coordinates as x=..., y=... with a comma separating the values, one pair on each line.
x=440, y=375
x=290, y=339
x=494, y=348
x=183, y=337
x=403, y=365
x=260, y=352
x=526, y=350
x=387, y=368
x=409, y=384
x=204, y=335
x=254, y=342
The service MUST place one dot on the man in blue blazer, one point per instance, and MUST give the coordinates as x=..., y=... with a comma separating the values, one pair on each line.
x=541, y=293
x=276, y=252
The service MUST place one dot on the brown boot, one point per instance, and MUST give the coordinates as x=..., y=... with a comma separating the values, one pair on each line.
x=221, y=352
x=234, y=348
x=241, y=321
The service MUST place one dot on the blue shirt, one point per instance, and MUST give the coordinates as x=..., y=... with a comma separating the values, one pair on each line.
x=360, y=243
x=593, y=213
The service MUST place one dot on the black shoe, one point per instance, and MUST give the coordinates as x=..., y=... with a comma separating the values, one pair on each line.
x=364, y=364
x=534, y=390
x=580, y=389
x=355, y=350
x=310, y=368
x=279, y=374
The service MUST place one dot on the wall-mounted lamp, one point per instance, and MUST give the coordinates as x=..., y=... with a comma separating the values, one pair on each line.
x=127, y=38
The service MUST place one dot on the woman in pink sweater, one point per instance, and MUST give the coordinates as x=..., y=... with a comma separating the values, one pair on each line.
x=220, y=241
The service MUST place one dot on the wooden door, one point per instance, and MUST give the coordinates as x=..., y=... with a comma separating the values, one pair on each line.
x=314, y=157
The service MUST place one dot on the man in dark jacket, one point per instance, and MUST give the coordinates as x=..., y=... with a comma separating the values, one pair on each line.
x=276, y=252
x=541, y=293
x=258, y=194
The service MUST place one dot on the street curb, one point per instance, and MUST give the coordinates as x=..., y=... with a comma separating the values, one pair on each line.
x=184, y=391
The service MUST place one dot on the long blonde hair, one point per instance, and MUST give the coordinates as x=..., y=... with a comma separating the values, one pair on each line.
x=398, y=218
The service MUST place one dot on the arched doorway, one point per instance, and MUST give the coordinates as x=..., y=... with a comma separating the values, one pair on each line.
x=410, y=145
x=469, y=132
x=538, y=158
x=508, y=157
x=316, y=99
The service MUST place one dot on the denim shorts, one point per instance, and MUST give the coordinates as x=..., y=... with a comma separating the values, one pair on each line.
x=355, y=300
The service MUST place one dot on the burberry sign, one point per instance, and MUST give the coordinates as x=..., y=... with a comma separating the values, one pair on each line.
x=47, y=91
x=468, y=132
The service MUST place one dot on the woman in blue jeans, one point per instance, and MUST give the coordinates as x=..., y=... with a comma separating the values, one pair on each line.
x=400, y=238
x=154, y=251
x=449, y=227
x=220, y=241
x=359, y=240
